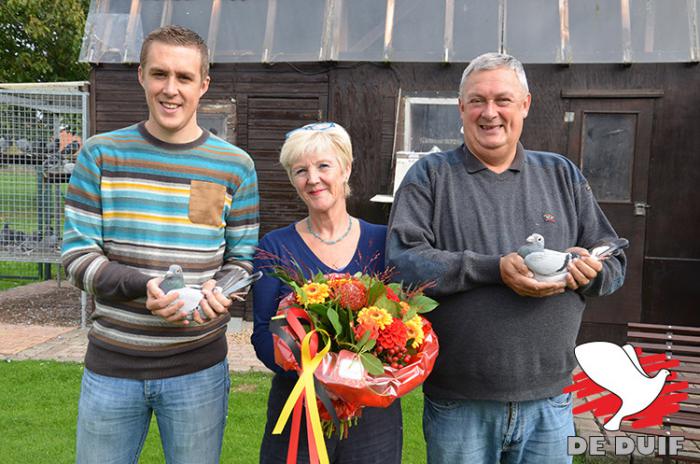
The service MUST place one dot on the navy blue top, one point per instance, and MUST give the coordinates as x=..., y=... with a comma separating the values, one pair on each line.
x=286, y=244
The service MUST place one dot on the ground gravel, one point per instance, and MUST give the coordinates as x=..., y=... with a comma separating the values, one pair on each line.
x=42, y=303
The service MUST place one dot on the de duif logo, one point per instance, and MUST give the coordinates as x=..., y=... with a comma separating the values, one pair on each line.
x=627, y=385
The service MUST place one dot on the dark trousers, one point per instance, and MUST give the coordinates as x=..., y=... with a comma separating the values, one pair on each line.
x=377, y=437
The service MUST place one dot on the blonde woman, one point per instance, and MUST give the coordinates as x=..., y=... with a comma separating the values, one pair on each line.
x=318, y=159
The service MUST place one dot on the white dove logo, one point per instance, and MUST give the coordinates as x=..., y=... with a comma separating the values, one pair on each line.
x=617, y=369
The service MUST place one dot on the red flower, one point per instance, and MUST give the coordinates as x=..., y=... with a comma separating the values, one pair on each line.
x=352, y=295
x=365, y=327
x=393, y=336
x=343, y=410
x=391, y=295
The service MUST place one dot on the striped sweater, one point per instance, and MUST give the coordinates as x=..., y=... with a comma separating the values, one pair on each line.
x=136, y=205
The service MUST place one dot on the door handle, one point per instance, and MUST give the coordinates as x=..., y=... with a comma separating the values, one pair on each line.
x=640, y=208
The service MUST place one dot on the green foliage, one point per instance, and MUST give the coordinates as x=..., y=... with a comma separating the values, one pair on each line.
x=40, y=40
x=423, y=304
x=373, y=365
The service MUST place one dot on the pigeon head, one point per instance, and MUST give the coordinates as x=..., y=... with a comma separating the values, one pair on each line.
x=173, y=279
x=535, y=242
x=536, y=239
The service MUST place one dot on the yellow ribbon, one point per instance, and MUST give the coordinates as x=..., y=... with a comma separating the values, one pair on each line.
x=306, y=383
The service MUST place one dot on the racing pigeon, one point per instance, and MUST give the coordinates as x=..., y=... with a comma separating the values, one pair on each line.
x=174, y=280
x=551, y=266
x=617, y=369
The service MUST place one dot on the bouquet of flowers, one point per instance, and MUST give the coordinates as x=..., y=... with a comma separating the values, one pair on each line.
x=355, y=341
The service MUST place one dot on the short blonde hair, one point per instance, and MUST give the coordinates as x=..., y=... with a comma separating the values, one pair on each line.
x=314, y=138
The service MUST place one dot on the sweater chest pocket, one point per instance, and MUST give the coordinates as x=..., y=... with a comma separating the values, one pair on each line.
x=206, y=203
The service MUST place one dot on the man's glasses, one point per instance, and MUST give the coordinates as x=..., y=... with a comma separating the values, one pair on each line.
x=314, y=126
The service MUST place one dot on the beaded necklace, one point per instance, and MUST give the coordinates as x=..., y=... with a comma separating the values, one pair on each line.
x=329, y=242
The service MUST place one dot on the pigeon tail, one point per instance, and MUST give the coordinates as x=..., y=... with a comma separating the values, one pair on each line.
x=610, y=247
x=235, y=282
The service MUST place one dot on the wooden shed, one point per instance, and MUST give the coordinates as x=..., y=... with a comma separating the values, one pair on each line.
x=615, y=86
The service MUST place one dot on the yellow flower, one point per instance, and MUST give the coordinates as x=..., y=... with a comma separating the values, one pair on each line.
x=414, y=328
x=378, y=316
x=315, y=293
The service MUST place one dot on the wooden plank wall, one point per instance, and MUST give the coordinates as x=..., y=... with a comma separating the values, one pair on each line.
x=271, y=100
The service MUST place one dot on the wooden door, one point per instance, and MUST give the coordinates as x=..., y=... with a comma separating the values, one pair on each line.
x=269, y=119
x=610, y=141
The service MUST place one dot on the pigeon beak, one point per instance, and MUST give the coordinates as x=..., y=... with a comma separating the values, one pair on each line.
x=531, y=239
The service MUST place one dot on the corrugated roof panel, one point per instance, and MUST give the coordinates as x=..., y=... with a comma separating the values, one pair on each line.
x=535, y=31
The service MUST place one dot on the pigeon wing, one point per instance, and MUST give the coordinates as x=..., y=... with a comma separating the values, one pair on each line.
x=547, y=262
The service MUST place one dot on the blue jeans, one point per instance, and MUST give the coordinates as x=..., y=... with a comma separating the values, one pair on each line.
x=492, y=432
x=114, y=415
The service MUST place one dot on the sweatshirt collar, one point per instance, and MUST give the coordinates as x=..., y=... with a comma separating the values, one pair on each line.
x=475, y=165
x=153, y=140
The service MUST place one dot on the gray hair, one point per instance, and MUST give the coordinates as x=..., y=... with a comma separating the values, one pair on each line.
x=489, y=61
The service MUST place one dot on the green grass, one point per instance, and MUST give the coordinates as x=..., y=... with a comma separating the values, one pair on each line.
x=18, y=191
x=15, y=273
x=39, y=401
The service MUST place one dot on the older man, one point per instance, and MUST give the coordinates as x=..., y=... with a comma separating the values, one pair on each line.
x=506, y=339
x=141, y=198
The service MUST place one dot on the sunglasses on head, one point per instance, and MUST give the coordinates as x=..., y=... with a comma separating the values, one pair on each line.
x=314, y=126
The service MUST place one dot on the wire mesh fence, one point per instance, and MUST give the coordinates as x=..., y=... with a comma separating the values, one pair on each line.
x=42, y=128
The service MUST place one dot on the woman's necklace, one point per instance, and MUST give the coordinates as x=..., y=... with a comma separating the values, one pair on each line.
x=329, y=242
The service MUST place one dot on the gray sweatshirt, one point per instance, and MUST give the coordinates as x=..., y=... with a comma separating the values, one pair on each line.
x=451, y=222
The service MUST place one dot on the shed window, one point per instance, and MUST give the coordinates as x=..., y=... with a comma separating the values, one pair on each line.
x=219, y=118
x=428, y=122
x=431, y=122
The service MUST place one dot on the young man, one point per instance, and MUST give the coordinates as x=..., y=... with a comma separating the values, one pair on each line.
x=506, y=340
x=141, y=198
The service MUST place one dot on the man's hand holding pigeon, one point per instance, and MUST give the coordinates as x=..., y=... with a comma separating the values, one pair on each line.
x=516, y=275
x=169, y=307
x=583, y=269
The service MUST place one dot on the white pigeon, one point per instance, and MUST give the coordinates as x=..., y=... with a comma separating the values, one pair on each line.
x=618, y=370
x=174, y=281
x=551, y=266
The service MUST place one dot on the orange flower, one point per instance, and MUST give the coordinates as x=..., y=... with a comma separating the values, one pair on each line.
x=404, y=307
x=394, y=336
x=373, y=314
x=336, y=282
x=370, y=327
x=315, y=293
